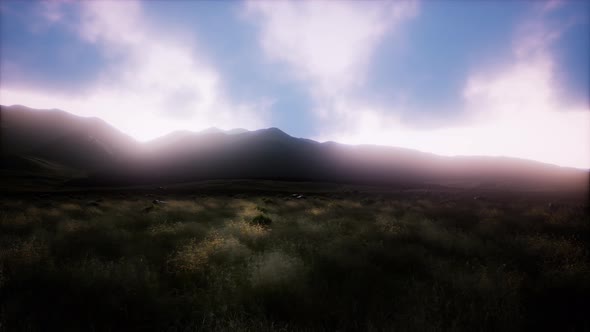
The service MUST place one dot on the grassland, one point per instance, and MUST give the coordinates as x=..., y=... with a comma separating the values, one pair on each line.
x=414, y=261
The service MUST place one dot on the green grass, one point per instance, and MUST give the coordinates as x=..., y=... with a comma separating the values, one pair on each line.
x=350, y=262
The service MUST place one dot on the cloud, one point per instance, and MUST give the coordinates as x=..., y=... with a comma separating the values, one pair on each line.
x=326, y=43
x=52, y=11
x=512, y=111
x=153, y=83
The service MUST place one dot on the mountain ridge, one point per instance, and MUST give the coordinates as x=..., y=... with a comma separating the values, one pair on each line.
x=109, y=157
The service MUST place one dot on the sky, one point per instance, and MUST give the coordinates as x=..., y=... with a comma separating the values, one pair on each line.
x=454, y=77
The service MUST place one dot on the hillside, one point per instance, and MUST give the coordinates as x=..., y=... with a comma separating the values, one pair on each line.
x=90, y=152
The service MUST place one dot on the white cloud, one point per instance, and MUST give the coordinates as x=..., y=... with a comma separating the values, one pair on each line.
x=154, y=84
x=326, y=43
x=511, y=112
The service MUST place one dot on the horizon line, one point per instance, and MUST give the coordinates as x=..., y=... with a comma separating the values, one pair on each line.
x=224, y=131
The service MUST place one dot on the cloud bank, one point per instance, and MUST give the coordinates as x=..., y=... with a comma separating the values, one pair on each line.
x=513, y=111
x=153, y=83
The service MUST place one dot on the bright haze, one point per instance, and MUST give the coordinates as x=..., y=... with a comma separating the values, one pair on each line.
x=492, y=78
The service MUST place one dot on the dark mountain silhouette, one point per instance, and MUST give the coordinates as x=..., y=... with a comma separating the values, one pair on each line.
x=89, y=152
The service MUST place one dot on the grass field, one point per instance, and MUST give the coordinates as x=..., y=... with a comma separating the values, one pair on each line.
x=415, y=261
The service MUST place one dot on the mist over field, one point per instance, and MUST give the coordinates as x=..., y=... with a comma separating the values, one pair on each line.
x=404, y=165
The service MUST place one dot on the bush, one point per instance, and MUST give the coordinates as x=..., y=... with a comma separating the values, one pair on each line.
x=262, y=220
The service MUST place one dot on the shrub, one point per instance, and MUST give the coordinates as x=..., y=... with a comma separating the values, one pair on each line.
x=261, y=220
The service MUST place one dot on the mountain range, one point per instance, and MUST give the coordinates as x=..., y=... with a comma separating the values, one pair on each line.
x=56, y=148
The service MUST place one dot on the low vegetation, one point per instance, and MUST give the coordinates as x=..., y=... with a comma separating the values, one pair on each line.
x=358, y=262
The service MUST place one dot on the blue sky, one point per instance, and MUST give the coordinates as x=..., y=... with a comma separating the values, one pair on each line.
x=449, y=77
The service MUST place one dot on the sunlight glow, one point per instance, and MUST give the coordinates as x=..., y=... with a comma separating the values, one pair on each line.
x=154, y=83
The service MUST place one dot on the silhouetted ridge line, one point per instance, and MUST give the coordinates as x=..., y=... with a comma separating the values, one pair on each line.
x=90, y=152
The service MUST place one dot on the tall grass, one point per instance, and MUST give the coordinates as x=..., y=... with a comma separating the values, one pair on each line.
x=373, y=263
